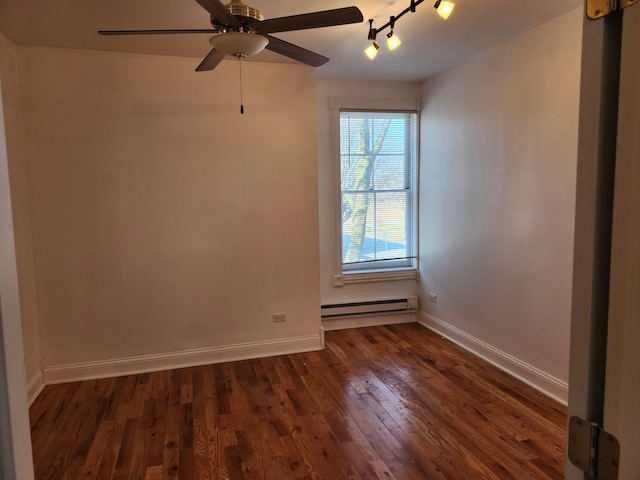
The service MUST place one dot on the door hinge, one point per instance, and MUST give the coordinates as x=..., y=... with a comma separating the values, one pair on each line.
x=592, y=450
x=601, y=8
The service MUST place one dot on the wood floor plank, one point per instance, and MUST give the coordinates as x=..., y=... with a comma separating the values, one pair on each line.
x=396, y=403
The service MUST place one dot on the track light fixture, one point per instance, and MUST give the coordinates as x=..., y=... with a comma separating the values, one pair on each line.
x=372, y=50
x=443, y=8
x=372, y=31
x=393, y=42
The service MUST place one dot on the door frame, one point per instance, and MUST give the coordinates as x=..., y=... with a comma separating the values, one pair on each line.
x=605, y=312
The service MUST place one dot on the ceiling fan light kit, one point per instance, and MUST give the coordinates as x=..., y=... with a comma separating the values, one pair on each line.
x=443, y=8
x=239, y=44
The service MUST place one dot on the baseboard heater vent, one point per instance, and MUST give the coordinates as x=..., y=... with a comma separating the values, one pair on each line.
x=376, y=307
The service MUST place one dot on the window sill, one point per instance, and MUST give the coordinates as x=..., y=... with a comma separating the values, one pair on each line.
x=380, y=276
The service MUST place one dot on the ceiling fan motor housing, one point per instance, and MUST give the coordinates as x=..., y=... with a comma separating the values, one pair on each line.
x=246, y=13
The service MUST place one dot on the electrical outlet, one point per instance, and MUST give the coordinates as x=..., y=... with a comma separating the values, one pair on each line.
x=433, y=297
x=279, y=317
x=338, y=280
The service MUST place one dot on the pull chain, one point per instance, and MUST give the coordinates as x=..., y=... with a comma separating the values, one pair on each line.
x=241, y=102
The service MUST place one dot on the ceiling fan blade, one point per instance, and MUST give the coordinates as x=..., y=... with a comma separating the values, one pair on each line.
x=211, y=61
x=295, y=52
x=327, y=18
x=154, y=32
x=219, y=12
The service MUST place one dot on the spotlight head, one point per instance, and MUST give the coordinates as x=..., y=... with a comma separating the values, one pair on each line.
x=372, y=50
x=444, y=8
x=393, y=42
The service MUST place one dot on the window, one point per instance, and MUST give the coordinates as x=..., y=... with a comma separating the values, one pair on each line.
x=378, y=152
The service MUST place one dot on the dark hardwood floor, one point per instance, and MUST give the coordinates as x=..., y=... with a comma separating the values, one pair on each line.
x=395, y=402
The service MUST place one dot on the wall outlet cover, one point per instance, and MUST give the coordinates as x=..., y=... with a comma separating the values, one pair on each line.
x=279, y=317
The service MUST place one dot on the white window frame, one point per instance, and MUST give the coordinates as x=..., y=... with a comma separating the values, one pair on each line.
x=353, y=275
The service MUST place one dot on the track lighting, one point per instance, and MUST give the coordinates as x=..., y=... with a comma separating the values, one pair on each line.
x=443, y=8
x=372, y=50
x=393, y=42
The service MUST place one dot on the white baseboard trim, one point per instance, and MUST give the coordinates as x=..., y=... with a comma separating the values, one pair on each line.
x=368, y=321
x=545, y=383
x=35, y=386
x=172, y=360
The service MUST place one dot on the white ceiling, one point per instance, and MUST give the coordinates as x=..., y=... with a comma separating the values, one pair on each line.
x=429, y=44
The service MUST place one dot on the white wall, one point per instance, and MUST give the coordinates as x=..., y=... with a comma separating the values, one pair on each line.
x=163, y=220
x=20, y=205
x=330, y=244
x=497, y=194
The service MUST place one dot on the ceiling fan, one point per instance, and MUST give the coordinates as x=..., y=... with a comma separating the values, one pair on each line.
x=241, y=31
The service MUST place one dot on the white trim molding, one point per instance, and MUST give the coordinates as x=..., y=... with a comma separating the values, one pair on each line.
x=172, y=360
x=365, y=103
x=35, y=386
x=542, y=381
x=380, y=276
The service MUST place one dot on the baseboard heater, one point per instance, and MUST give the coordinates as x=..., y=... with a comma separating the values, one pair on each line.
x=375, y=307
